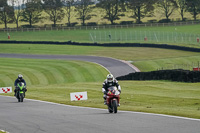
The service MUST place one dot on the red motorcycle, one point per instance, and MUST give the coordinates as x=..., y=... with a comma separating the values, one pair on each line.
x=113, y=96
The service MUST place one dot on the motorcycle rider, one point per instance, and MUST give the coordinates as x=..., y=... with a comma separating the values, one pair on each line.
x=19, y=79
x=108, y=82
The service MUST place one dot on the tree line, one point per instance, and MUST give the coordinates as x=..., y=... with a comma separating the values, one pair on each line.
x=14, y=11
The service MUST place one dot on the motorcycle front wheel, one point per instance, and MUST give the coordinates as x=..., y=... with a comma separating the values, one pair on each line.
x=21, y=97
x=115, y=106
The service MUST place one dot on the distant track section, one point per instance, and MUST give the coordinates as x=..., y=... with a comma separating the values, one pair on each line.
x=114, y=66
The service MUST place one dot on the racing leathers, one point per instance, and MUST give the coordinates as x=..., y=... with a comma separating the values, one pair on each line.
x=106, y=85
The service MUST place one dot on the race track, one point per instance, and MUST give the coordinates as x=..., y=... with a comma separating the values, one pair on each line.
x=116, y=67
x=34, y=116
x=43, y=117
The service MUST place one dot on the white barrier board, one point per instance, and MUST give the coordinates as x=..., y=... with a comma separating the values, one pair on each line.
x=5, y=89
x=77, y=96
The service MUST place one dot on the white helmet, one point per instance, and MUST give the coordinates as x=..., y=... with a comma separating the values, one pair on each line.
x=110, y=78
x=20, y=76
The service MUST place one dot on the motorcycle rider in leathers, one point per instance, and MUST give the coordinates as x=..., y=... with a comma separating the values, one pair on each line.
x=109, y=81
x=19, y=79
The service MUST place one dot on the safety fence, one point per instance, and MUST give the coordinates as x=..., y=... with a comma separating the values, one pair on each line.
x=194, y=66
x=143, y=36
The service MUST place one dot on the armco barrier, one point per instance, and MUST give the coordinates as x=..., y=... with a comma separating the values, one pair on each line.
x=173, y=75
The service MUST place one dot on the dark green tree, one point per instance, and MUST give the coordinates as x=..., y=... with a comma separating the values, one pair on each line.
x=69, y=9
x=113, y=9
x=193, y=6
x=182, y=7
x=84, y=10
x=168, y=6
x=6, y=13
x=33, y=12
x=18, y=9
x=54, y=8
x=141, y=8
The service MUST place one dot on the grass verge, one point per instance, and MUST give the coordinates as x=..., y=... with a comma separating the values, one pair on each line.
x=47, y=72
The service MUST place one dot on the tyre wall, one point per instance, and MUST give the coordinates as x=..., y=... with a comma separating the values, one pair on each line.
x=172, y=75
x=164, y=46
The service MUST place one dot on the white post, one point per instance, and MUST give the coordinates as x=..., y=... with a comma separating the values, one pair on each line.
x=100, y=36
x=182, y=37
x=95, y=36
x=167, y=36
x=91, y=37
x=131, y=35
x=115, y=36
x=126, y=36
x=135, y=35
x=105, y=36
x=155, y=36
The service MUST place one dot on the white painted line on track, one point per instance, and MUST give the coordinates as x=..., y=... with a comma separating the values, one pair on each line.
x=131, y=65
x=4, y=131
x=153, y=114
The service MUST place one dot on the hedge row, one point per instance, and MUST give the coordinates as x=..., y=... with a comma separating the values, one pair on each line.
x=173, y=75
x=164, y=46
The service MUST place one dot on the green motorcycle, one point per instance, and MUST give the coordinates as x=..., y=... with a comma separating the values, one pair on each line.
x=20, y=91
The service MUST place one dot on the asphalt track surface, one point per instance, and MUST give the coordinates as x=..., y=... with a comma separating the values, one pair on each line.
x=114, y=66
x=34, y=116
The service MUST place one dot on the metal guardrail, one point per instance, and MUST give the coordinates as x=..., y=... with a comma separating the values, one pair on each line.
x=98, y=27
